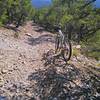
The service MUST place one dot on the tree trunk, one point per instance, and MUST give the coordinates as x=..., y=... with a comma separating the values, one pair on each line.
x=19, y=21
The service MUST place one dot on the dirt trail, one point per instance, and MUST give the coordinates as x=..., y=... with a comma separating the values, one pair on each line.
x=20, y=57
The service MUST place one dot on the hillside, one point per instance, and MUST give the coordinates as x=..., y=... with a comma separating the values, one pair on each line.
x=25, y=75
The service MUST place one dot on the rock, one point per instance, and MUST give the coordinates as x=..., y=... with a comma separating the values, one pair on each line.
x=1, y=81
x=81, y=59
x=28, y=34
x=15, y=68
x=74, y=59
x=4, y=71
x=23, y=62
x=78, y=46
x=10, y=69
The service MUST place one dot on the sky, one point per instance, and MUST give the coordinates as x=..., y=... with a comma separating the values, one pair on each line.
x=97, y=3
x=41, y=3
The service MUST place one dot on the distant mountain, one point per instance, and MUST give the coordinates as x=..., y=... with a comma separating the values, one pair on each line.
x=41, y=3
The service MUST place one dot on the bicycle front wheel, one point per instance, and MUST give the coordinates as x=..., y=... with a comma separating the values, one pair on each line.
x=57, y=44
x=67, y=50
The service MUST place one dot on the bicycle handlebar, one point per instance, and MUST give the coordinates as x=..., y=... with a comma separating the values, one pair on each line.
x=57, y=27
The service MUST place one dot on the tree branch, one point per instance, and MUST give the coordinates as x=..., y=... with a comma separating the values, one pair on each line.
x=87, y=3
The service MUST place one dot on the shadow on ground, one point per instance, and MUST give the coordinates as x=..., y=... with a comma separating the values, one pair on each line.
x=40, y=29
x=41, y=39
x=63, y=83
x=12, y=28
x=58, y=81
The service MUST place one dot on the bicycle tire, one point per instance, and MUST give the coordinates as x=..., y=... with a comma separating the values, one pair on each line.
x=57, y=45
x=67, y=50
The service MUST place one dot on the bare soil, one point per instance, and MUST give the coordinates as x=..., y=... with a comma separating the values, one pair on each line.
x=20, y=57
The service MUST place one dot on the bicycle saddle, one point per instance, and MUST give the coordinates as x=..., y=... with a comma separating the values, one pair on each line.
x=56, y=27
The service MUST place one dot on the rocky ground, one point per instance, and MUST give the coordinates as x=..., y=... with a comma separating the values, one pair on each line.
x=24, y=75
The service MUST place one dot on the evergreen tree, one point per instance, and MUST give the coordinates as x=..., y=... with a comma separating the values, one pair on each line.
x=15, y=11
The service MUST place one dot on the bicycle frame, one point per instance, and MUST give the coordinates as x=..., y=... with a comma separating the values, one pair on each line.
x=61, y=35
x=61, y=38
x=63, y=46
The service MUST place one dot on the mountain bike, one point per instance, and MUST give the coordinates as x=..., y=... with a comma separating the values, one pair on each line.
x=62, y=45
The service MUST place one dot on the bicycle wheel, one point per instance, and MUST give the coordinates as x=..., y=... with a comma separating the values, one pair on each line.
x=57, y=44
x=67, y=50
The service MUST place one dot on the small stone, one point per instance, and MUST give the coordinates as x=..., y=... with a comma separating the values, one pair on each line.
x=0, y=73
x=78, y=46
x=4, y=71
x=23, y=62
x=10, y=69
x=19, y=58
x=1, y=81
x=28, y=34
x=15, y=68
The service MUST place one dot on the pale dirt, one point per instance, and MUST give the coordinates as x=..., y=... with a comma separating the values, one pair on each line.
x=20, y=57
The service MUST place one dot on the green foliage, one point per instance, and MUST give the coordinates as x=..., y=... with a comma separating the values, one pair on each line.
x=75, y=52
x=15, y=11
x=91, y=47
x=77, y=17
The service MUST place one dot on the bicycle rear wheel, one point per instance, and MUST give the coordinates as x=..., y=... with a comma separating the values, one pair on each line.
x=67, y=50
